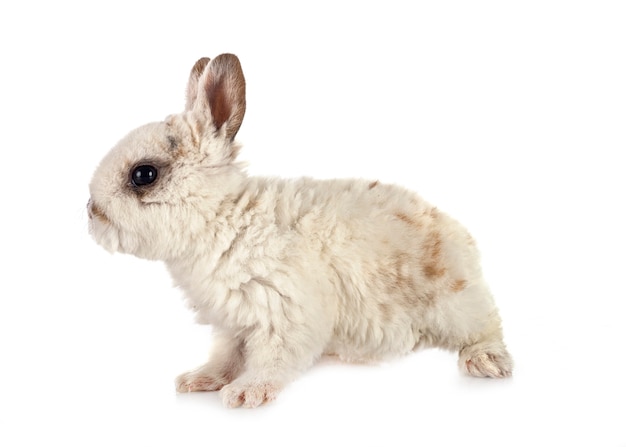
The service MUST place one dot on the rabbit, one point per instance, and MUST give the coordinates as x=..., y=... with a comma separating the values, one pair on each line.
x=288, y=270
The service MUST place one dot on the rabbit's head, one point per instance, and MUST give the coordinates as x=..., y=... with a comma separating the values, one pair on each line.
x=154, y=192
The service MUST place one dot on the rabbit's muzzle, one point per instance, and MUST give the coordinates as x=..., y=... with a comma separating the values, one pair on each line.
x=93, y=211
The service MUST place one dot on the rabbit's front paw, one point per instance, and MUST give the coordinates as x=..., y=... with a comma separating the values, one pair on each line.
x=193, y=381
x=249, y=394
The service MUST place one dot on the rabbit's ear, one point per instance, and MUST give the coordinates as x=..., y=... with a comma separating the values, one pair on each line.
x=192, y=85
x=222, y=92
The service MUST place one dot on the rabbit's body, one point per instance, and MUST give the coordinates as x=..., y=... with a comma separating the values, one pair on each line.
x=288, y=270
x=313, y=241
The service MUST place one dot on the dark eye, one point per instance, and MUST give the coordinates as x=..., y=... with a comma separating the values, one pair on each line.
x=143, y=175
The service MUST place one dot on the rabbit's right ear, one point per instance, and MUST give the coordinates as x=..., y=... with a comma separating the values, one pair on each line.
x=217, y=88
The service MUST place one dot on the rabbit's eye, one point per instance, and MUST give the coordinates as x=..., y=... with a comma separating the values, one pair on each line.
x=143, y=175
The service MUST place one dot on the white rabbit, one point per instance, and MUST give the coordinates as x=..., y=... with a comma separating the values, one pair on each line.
x=288, y=270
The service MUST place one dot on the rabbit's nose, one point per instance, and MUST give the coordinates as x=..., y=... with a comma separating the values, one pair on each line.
x=89, y=205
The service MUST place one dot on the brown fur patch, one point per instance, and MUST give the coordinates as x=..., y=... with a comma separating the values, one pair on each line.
x=432, y=262
x=458, y=285
x=400, y=274
x=434, y=271
x=373, y=184
x=407, y=219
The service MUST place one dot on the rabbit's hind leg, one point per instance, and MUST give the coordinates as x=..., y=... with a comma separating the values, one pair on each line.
x=467, y=321
x=486, y=358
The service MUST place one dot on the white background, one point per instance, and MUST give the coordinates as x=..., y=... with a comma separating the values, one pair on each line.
x=509, y=116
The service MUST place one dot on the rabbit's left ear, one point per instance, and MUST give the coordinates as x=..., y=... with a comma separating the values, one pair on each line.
x=192, y=84
x=220, y=90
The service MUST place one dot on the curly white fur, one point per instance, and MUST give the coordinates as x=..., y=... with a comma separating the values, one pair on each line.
x=289, y=270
